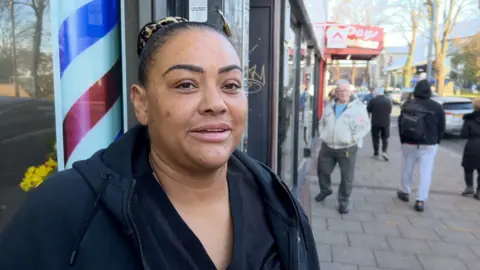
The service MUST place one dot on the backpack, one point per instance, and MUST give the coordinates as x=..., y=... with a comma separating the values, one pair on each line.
x=412, y=124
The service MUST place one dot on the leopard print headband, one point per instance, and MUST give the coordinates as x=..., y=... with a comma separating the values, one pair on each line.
x=150, y=28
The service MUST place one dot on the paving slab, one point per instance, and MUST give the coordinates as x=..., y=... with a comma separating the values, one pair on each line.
x=383, y=233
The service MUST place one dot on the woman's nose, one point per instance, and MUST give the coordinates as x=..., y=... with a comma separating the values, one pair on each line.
x=213, y=102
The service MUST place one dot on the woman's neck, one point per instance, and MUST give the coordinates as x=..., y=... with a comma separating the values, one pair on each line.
x=184, y=187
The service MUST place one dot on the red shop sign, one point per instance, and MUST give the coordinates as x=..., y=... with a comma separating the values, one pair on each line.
x=357, y=36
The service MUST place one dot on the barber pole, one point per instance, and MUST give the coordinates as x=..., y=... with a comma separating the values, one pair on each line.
x=87, y=70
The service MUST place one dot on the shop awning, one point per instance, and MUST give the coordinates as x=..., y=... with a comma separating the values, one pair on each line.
x=352, y=41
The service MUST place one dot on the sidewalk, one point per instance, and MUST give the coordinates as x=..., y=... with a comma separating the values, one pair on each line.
x=381, y=232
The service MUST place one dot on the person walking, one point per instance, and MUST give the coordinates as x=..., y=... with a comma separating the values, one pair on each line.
x=421, y=125
x=380, y=109
x=471, y=152
x=344, y=124
x=369, y=97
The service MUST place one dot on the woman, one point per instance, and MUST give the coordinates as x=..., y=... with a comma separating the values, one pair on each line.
x=171, y=193
x=471, y=152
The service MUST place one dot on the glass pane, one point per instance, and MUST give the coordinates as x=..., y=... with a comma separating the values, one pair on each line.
x=306, y=102
x=286, y=118
x=237, y=15
x=27, y=114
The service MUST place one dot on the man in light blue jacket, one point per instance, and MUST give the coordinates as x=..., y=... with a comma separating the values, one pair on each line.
x=343, y=125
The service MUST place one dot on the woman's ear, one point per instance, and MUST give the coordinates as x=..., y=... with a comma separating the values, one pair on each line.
x=138, y=96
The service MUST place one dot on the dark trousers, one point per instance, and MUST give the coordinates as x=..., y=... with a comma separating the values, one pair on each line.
x=377, y=133
x=469, y=177
x=327, y=160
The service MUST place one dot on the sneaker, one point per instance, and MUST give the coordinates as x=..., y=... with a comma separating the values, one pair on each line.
x=468, y=191
x=419, y=206
x=376, y=156
x=322, y=195
x=403, y=196
x=477, y=195
x=385, y=156
x=343, y=209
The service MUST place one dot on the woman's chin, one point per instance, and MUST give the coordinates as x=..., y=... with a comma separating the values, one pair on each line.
x=211, y=157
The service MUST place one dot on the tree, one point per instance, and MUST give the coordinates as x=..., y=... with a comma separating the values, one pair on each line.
x=469, y=57
x=453, y=9
x=38, y=7
x=411, y=13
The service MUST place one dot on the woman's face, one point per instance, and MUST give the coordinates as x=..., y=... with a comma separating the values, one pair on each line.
x=195, y=102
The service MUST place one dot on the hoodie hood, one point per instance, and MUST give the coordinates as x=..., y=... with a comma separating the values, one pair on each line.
x=422, y=90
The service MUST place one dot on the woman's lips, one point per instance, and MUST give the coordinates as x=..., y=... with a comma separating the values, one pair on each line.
x=211, y=135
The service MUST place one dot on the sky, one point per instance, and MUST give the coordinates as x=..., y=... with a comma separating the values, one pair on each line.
x=394, y=38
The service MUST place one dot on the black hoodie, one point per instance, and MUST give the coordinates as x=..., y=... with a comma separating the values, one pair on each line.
x=435, y=122
x=471, y=132
x=86, y=217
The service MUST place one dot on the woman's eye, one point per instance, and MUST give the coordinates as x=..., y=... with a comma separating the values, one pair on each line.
x=232, y=87
x=186, y=85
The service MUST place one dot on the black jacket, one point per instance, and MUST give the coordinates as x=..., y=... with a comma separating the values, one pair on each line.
x=84, y=218
x=435, y=122
x=471, y=132
x=380, y=108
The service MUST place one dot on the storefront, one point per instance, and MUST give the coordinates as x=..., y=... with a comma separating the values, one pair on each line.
x=274, y=39
x=76, y=97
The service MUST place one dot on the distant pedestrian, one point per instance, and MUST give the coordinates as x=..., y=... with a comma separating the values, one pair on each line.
x=368, y=97
x=421, y=125
x=380, y=109
x=471, y=152
x=343, y=125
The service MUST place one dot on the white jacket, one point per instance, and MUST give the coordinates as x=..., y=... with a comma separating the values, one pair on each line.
x=348, y=129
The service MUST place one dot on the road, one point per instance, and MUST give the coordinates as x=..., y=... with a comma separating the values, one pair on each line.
x=27, y=131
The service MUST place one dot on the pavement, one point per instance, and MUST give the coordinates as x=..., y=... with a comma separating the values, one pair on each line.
x=384, y=233
x=27, y=130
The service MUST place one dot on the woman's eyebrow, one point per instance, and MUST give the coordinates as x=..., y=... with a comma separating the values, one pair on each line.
x=198, y=69
x=191, y=68
x=228, y=68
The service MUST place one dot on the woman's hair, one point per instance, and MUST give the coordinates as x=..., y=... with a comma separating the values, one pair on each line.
x=155, y=34
x=476, y=104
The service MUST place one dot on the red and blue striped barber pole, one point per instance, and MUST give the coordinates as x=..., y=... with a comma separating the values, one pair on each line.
x=88, y=78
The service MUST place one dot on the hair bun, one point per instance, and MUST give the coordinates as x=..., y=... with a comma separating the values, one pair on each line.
x=150, y=28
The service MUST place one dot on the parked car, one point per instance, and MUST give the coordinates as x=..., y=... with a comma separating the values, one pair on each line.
x=396, y=96
x=455, y=108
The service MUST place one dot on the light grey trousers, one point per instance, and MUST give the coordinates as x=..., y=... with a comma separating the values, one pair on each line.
x=424, y=156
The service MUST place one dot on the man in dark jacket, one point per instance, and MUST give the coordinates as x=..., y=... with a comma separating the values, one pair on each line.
x=421, y=125
x=94, y=216
x=380, y=109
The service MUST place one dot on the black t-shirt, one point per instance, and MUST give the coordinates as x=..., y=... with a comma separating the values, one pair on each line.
x=175, y=242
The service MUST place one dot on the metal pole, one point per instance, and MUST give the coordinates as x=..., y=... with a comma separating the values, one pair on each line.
x=431, y=42
x=14, y=49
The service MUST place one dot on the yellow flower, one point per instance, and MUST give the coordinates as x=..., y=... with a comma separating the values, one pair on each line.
x=51, y=163
x=25, y=186
x=34, y=176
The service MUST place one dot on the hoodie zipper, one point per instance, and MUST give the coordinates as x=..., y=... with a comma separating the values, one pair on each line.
x=135, y=228
x=295, y=235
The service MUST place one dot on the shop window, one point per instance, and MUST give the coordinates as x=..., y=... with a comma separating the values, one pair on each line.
x=286, y=112
x=27, y=111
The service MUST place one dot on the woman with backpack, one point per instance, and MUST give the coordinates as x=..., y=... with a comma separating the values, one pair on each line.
x=421, y=125
x=471, y=152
